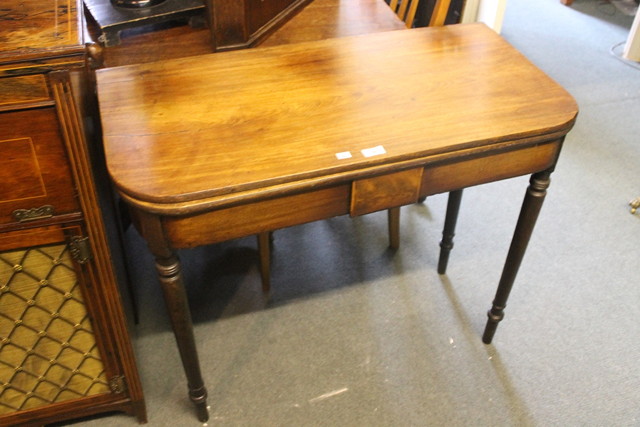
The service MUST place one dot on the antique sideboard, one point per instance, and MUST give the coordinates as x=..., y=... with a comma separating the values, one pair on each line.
x=65, y=348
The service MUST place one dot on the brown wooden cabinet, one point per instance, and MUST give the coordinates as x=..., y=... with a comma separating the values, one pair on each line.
x=65, y=349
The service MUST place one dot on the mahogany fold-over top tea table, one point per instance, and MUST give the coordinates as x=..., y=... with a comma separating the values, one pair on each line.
x=216, y=147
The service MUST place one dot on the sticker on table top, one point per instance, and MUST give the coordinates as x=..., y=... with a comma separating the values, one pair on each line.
x=344, y=155
x=373, y=151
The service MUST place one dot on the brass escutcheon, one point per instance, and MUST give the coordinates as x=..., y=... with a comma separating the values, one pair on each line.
x=24, y=215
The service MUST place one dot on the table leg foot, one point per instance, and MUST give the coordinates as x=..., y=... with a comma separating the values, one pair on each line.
x=531, y=206
x=446, y=244
x=495, y=315
x=199, y=399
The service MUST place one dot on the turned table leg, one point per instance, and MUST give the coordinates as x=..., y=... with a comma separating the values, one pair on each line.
x=446, y=244
x=531, y=206
x=169, y=272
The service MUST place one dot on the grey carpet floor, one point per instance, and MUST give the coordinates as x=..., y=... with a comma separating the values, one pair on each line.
x=356, y=335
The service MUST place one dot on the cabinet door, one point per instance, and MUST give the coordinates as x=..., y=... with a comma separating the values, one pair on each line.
x=49, y=349
x=35, y=176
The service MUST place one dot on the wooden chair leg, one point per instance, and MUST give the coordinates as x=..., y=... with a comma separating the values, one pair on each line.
x=440, y=11
x=394, y=227
x=264, y=250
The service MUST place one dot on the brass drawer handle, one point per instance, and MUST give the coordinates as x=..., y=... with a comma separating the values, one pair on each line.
x=24, y=215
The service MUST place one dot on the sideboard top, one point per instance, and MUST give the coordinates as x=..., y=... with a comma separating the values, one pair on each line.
x=39, y=25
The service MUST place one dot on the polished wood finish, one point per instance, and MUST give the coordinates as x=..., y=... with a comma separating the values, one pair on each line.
x=274, y=213
x=49, y=202
x=384, y=191
x=153, y=129
x=15, y=91
x=34, y=170
x=324, y=19
x=40, y=36
x=50, y=25
x=231, y=25
x=107, y=308
x=468, y=109
x=449, y=175
x=158, y=44
x=310, y=21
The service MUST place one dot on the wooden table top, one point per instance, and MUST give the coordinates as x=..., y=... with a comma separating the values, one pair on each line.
x=188, y=131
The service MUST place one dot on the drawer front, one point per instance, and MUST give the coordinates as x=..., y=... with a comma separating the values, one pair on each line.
x=385, y=191
x=35, y=177
x=21, y=90
x=453, y=176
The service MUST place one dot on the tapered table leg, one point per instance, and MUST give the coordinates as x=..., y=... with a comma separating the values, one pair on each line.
x=169, y=272
x=393, y=219
x=446, y=244
x=264, y=251
x=531, y=205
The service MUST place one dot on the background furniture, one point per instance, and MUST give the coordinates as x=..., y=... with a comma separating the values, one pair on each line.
x=112, y=19
x=240, y=25
x=65, y=349
x=325, y=19
x=233, y=24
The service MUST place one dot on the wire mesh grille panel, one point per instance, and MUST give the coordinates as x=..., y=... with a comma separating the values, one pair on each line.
x=48, y=351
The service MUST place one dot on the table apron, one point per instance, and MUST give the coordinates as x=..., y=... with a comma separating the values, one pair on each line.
x=289, y=210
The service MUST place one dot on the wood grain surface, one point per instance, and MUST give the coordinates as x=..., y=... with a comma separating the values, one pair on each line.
x=41, y=24
x=185, y=130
